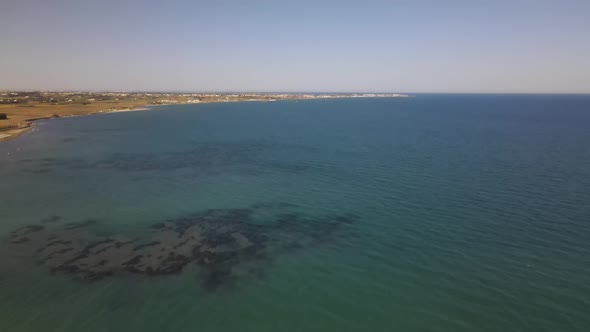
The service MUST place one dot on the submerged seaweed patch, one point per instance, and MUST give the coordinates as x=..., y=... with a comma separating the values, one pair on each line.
x=84, y=223
x=224, y=243
x=201, y=158
x=51, y=219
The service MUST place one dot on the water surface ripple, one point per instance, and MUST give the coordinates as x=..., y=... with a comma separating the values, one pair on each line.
x=434, y=213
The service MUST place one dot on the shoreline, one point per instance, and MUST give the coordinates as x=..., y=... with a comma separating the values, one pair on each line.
x=13, y=133
x=27, y=125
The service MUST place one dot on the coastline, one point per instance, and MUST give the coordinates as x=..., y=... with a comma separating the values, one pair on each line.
x=27, y=124
x=13, y=133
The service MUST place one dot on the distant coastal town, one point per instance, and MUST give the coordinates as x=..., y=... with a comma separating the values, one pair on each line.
x=18, y=109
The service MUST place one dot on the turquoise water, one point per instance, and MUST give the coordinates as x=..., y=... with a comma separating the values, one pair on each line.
x=433, y=213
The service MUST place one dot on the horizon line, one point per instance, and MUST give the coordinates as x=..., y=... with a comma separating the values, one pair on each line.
x=286, y=92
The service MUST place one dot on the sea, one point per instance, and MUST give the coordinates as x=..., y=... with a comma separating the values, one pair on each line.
x=438, y=212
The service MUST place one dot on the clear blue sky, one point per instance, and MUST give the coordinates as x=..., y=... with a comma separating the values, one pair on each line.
x=389, y=46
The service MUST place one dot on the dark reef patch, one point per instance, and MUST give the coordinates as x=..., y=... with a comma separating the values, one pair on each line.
x=85, y=223
x=203, y=158
x=51, y=219
x=30, y=229
x=225, y=244
x=145, y=245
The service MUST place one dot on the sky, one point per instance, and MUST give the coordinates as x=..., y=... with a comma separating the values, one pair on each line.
x=474, y=46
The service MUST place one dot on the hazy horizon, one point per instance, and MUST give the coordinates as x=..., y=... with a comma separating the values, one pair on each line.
x=294, y=47
x=410, y=93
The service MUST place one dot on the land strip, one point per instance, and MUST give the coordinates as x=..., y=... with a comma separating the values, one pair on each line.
x=18, y=109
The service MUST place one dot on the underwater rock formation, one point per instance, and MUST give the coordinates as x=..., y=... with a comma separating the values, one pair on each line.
x=200, y=159
x=216, y=240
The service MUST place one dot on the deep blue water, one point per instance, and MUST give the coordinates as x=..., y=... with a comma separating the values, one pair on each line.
x=433, y=213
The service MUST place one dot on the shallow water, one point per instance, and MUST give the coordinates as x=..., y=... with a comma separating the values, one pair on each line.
x=434, y=213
